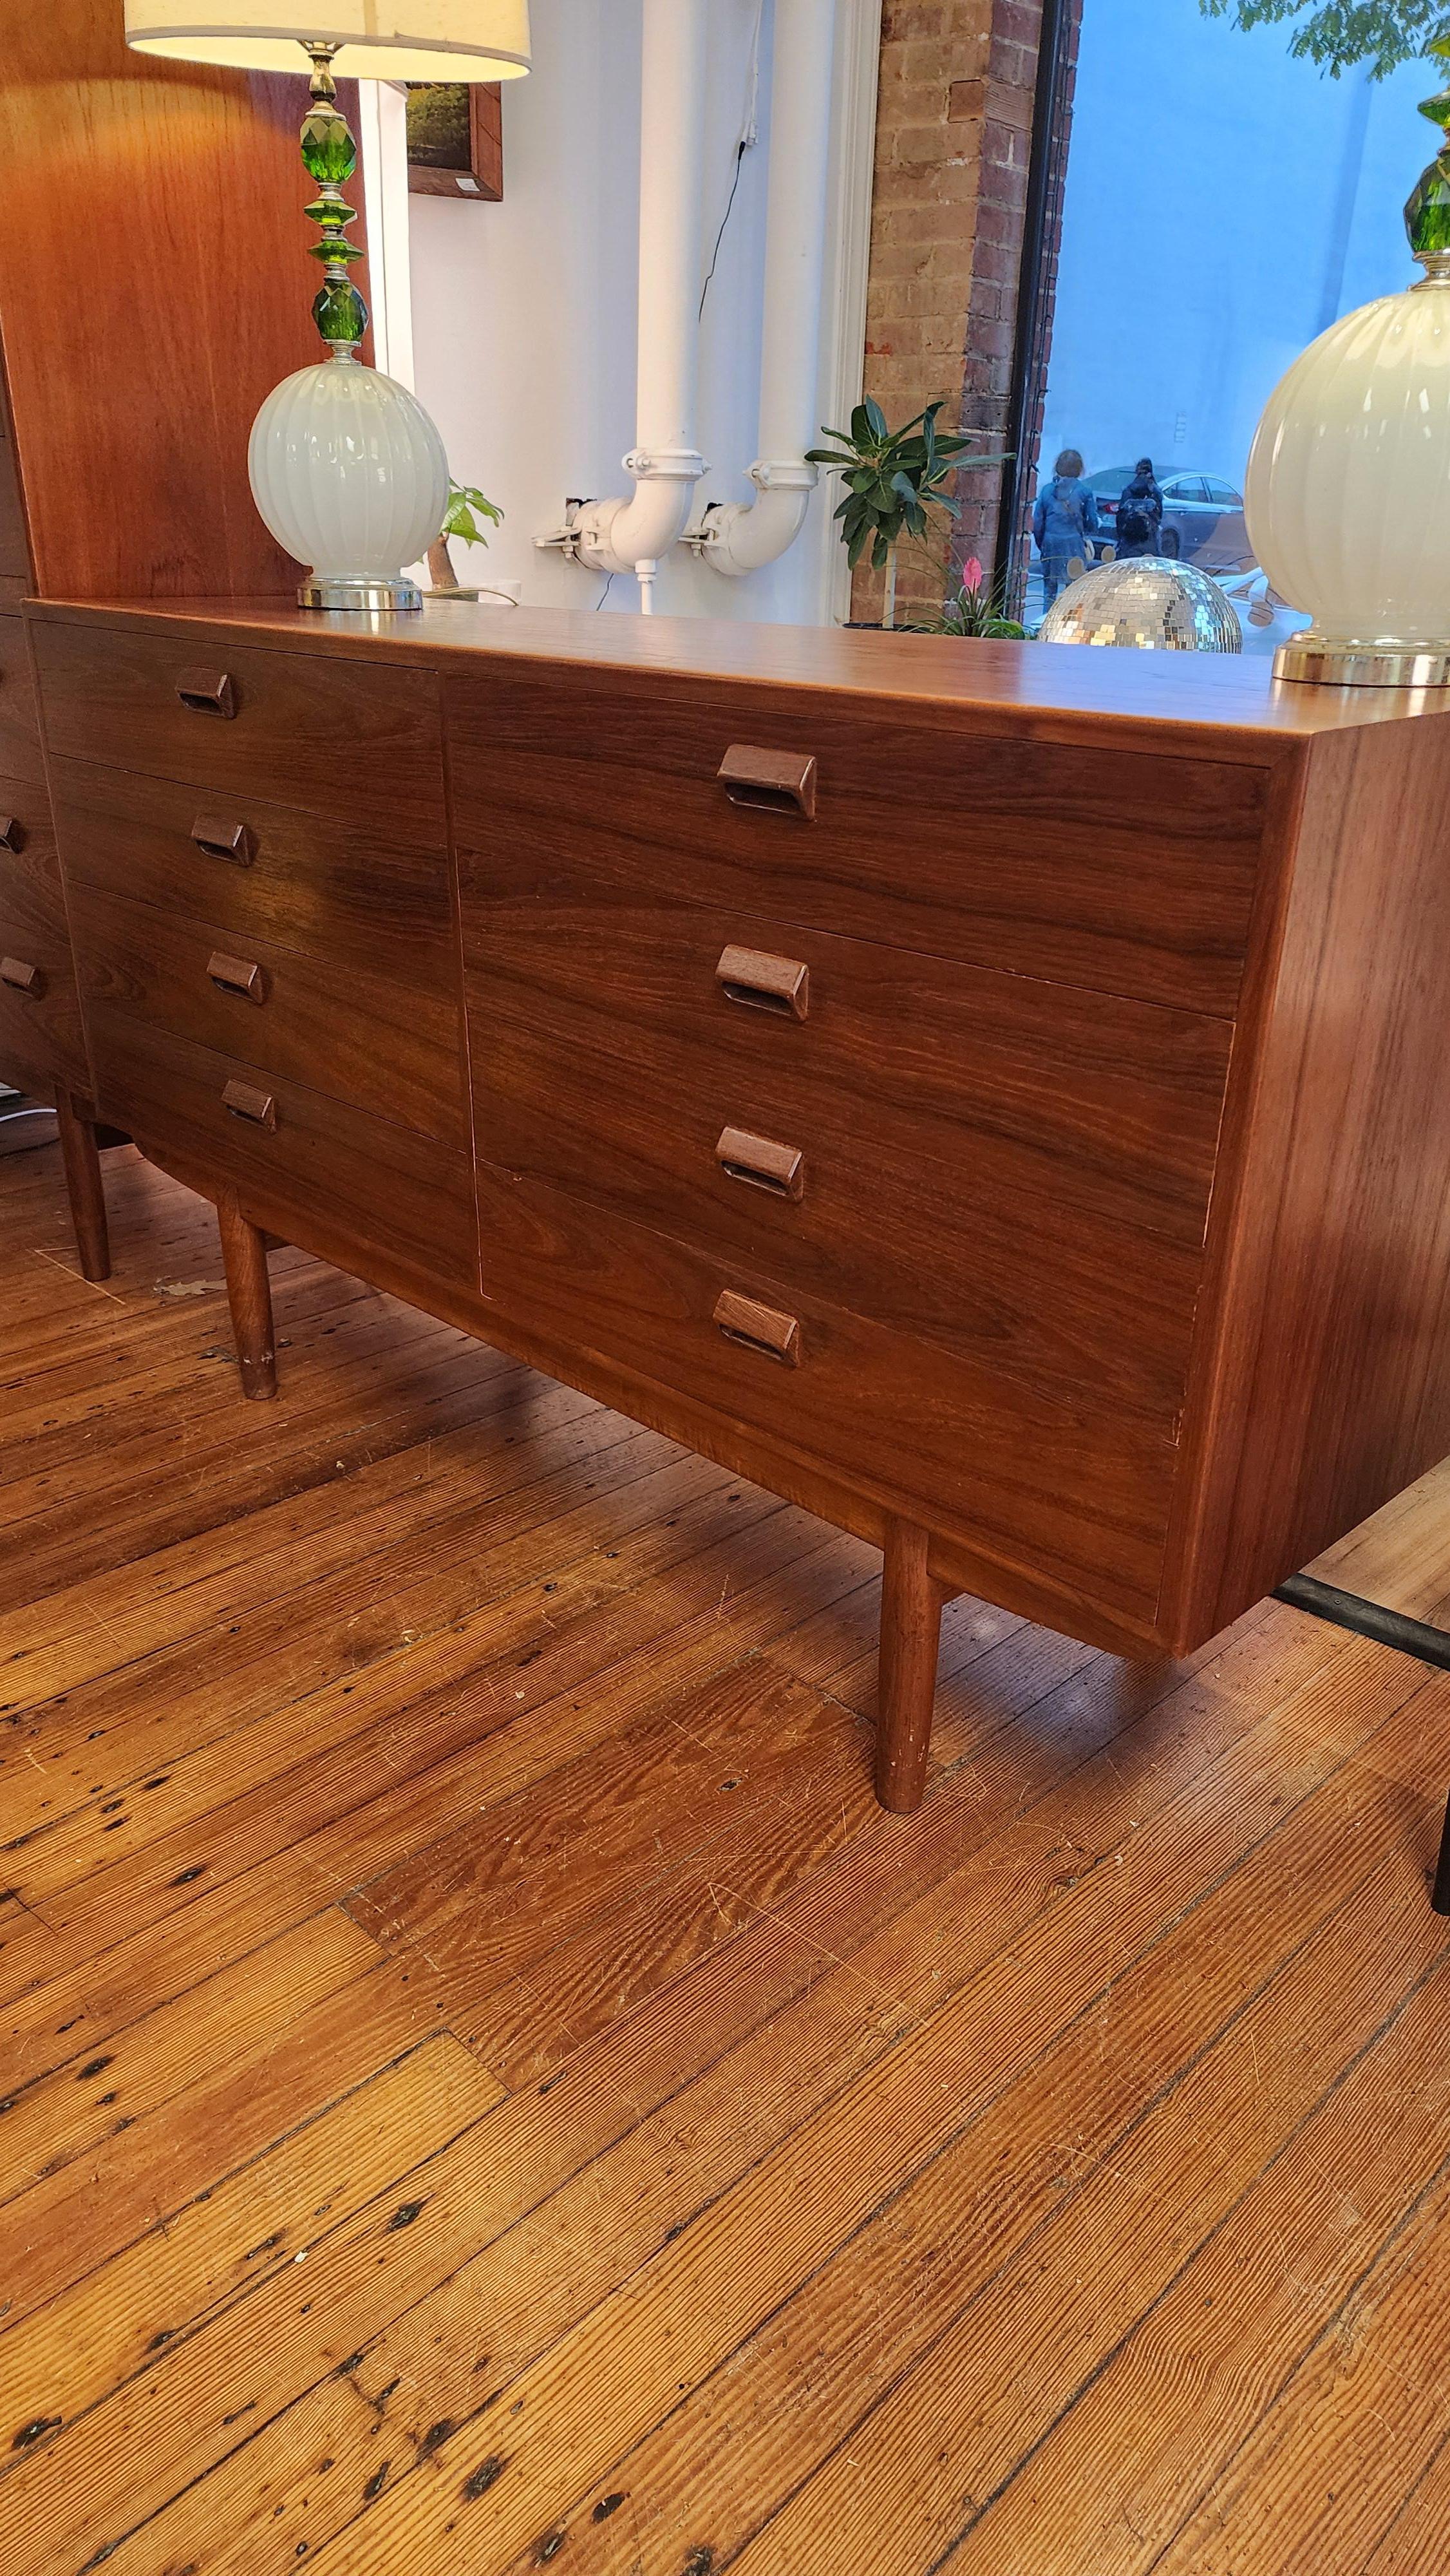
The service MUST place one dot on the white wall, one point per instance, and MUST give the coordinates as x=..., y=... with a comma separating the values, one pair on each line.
x=523, y=312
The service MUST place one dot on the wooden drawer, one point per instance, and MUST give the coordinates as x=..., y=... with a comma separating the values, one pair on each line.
x=361, y=1034
x=1016, y=1170
x=1076, y=1492
x=27, y=849
x=1124, y=870
x=308, y=1165
x=261, y=871
x=347, y=739
x=19, y=721
x=40, y=1023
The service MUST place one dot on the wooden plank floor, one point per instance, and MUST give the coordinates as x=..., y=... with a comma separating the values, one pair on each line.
x=483, y=2085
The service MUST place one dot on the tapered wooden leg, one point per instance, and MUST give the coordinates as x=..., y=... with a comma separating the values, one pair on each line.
x=249, y=1294
x=911, y=1608
x=83, y=1185
x=1440, y=1895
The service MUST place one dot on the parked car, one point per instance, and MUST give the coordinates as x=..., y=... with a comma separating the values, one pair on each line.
x=1203, y=517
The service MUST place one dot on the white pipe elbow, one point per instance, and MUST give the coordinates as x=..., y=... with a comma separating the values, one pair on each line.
x=745, y=536
x=617, y=536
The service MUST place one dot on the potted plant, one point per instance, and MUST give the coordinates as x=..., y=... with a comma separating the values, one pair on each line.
x=466, y=506
x=975, y=607
x=893, y=479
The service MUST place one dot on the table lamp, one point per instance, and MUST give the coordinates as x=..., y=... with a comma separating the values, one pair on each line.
x=1347, y=496
x=346, y=467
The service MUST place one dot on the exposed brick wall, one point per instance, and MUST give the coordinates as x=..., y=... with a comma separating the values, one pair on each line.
x=953, y=143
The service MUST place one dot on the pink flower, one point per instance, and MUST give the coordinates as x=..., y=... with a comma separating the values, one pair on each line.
x=971, y=574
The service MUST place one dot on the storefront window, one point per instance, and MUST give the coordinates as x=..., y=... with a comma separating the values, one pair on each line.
x=1224, y=202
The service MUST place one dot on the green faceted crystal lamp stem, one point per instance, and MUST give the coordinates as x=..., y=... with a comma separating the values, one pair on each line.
x=329, y=152
x=1427, y=213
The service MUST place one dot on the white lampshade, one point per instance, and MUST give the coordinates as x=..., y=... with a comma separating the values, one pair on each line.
x=397, y=40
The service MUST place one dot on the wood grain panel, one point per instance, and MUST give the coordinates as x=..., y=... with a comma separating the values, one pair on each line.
x=1078, y=1491
x=29, y=863
x=20, y=754
x=950, y=1124
x=1127, y=870
x=310, y=730
x=1225, y=708
x=360, y=1034
x=1322, y=1384
x=14, y=549
x=332, y=889
x=361, y=1178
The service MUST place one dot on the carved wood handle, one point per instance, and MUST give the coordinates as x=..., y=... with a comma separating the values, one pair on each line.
x=208, y=693
x=244, y=1102
x=22, y=978
x=765, y=983
x=12, y=834
x=223, y=838
x=759, y=1328
x=778, y=782
x=781, y=1169
x=237, y=975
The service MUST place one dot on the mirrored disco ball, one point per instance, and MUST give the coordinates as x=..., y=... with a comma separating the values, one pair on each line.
x=1156, y=605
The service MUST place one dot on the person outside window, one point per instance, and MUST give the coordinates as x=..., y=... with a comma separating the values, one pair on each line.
x=1064, y=522
x=1137, y=535
x=1144, y=496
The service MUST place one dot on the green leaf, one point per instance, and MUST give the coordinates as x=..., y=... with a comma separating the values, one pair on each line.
x=466, y=505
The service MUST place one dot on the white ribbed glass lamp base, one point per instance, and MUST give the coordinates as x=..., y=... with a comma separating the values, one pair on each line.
x=1347, y=497
x=350, y=476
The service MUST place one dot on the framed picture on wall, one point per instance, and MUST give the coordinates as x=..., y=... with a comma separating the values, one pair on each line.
x=455, y=138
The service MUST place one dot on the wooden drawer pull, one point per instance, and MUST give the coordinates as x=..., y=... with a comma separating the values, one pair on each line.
x=781, y=1169
x=759, y=1328
x=12, y=834
x=208, y=693
x=763, y=983
x=22, y=978
x=778, y=782
x=221, y=838
x=244, y=1102
x=237, y=975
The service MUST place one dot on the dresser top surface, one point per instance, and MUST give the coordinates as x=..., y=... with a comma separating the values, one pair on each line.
x=1042, y=687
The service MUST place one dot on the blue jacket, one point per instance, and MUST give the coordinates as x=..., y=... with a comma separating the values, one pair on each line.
x=1065, y=517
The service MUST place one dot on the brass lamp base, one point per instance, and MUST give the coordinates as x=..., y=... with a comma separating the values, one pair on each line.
x=328, y=591
x=1363, y=666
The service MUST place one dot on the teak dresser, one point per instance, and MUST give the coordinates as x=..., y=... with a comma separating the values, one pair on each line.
x=993, y=1095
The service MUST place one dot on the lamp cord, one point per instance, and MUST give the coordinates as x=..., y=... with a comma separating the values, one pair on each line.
x=747, y=136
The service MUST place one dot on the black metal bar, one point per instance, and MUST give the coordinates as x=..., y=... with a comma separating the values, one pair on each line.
x=1367, y=1619
x=1030, y=283
x=1387, y=1628
x=1440, y=1892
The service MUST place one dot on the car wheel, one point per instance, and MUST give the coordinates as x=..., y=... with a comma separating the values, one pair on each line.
x=1172, y=544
